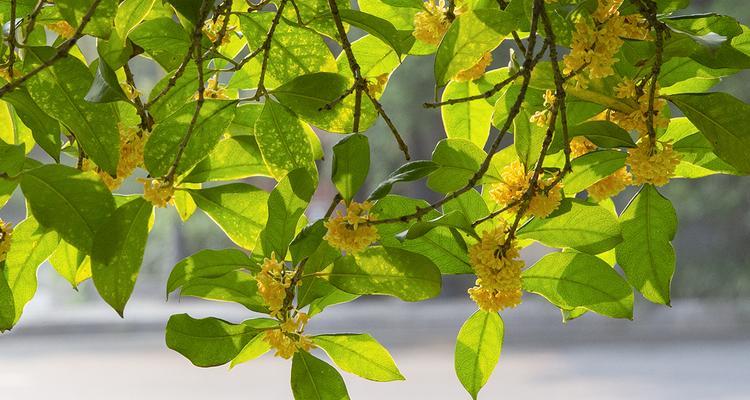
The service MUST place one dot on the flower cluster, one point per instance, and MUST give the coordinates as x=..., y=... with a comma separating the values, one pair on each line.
x=497, y=265
x=273, y=282
x=476, y=71
x=580, y=145
x=652, y=165
x=6, y=231
x=431, y=24
x=62, y=28
x=375, y=86
x=596, y=42
x=515, y=183
x=212, y=29
x=352, y=232
x=158, y=191
x=289, y=337
x=213, y=90
x=542, y=118
x=132, y=142
x=638, y=120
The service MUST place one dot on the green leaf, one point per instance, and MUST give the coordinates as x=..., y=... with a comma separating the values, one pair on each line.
x=118, y=252
x=106, y=86
x=208, y=264
x=603, y=134
x=470, y=36
x=164, y=40
x=459, y=160
x=255, y=348
x=400, y=41
x=74, y=203
x=723, y=120
x=387, y=271
x=590, y=168
x=360, y=354
x=185, y=87
x=31, y=245
x=238, y=208
x=67, y=261
x=313, y=378
x=236, y=157
x=446, y=250
x=283, y=141
x=453, y=219
x=7, y=306
x=100, y=24
x=235, y=286
x=130, y=14
x=286, y=205
x=646, y=255
x=478, y=347
x=576, y=224
x=294, y=50
x=60, y=90
x=351, y=163
x=311, y=95
x=167, y=137
x=45, y=129
x=207, y=342
x=471, y=120
x=571, y=280
x=12, y=157
x=408, y=172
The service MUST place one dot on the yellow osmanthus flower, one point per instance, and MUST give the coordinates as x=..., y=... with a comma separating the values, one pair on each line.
x=213, y=90
x=610, y=186
x=638, y=120
x=652, y=165
x=132, y=142
x=352, y=232
x=596, y=42
x=515, y=182
x=157, y=191
x=6, y=232
x=497, y=265
x=580, y=145
x=289, y=338
x=549, y=98
x=5, y=73
x=541, y=118
x=476, y=71
x=375, y=86
x=62, y=28
x=431, y=24
x=626, y=89
x=212, y=29
x=273, y=282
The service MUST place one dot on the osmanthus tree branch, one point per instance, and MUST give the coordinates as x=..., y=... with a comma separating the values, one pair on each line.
x=560, y=93
x=649, y=10
x=266, y=48
x=147, y=122
x=360, y=83
x=526, y=70
x=62, y=51
x=196, y=47
x=12, y=40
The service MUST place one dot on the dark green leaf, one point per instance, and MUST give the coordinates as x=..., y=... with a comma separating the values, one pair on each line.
x=207, y=342
x=351, y=163
x=408, y=172
x=208, y=264
x=313, y=378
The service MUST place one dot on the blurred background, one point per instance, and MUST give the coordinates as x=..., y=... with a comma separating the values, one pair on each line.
x=70, y=345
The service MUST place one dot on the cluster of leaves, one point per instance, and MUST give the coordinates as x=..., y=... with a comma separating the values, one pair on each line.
x=247, y=85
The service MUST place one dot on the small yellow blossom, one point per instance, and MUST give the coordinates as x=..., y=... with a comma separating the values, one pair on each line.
x=610, y=186
x=431, y=24
x=352, y=232
x=5, y=73
x=515, y=183
x=132, y=142
x=6, y=231
x=213, y=90
x=497, y=265
x=541, y=118
x=652, y=165
x=580, y=145
x=62, y=28
x=549, y=98
x=273, y=282
x=289, y=338
x=157, y=191
x=375, y=86
x=626, y=89
x=476, y=71
x=212, y=29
